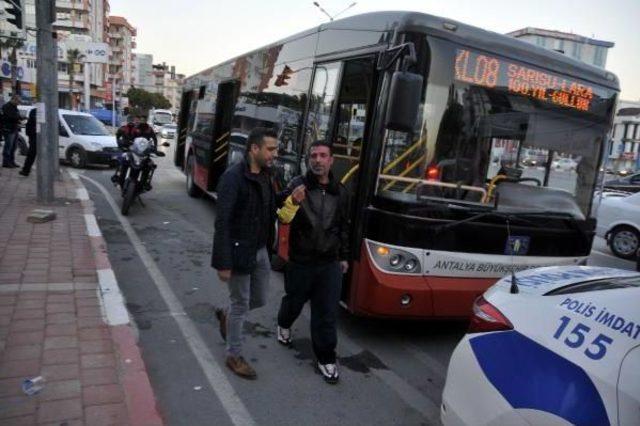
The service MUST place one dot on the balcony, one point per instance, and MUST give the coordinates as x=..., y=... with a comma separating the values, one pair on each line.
x=67, y=23
x=72, y=5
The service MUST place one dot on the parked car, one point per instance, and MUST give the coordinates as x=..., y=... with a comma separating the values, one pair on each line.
x=629, y=183
x=166, y=134
x=561, y=350
x=82, y=139
x=564, y=164
x=619, y=222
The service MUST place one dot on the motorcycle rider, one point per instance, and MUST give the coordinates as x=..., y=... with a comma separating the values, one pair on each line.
x=146, y=131
x=125, y=136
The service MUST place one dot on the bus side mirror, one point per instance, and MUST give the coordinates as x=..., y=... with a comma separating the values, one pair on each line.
x=404, y=101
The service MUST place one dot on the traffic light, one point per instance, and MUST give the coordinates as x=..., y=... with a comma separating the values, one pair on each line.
x=15, y=10
x=281, y=79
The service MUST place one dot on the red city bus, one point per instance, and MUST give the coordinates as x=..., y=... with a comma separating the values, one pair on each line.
x=453, y=142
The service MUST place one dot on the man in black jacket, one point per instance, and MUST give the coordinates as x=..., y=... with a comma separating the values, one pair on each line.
x=10, y=121
x=245, y=218
x=318, y=256
x=31, y=131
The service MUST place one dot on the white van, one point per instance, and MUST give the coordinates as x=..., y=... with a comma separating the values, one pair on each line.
x=158, y=118
x=83, y=139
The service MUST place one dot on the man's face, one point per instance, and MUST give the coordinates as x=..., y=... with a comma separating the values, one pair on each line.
x=265, y=154
x=320, y=160
x=16, y=100
x=136, y=121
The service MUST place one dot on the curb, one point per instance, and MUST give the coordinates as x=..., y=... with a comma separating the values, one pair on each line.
x=139, y=395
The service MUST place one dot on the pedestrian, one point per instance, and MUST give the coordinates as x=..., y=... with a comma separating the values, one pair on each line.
x=146, y=131
x=317, y=210
x=31, y=131
x=245, y=218
x=10, y=121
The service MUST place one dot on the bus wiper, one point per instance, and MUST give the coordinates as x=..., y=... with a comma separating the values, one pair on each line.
x=484, y=213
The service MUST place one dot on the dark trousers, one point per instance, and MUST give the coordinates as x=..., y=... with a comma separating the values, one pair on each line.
x=321, y=284
x=31, y=155
x=8, y=151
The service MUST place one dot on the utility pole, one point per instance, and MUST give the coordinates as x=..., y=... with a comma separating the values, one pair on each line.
x=47, y=116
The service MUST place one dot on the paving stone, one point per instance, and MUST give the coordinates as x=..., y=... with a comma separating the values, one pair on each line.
x=68, y=409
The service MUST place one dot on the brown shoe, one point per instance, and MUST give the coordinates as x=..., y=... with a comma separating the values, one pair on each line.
x=222, y=318
x=238, y=365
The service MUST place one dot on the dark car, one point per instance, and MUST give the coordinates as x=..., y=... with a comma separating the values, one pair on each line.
x=630, y=183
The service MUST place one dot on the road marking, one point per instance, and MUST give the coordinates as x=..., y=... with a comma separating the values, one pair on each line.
x=429, y=361
x=92, y=225
x=114, y=308
x=218, y=381
x=409, y=394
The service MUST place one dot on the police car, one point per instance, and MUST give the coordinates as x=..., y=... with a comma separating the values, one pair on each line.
x=559, y=346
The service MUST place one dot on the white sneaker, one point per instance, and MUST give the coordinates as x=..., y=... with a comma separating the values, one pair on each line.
x=284, y=336
x=329, y=373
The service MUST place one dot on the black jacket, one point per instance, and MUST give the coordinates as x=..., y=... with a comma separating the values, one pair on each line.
x=320, y=229
x=146, y=131
x=239, y=216
x=30, y=128
x=10, y=117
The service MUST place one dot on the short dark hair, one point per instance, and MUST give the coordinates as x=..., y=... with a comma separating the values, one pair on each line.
x=321, y=143
x=257, y=135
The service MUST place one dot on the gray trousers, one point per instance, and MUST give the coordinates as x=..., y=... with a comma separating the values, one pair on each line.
x=247, y=292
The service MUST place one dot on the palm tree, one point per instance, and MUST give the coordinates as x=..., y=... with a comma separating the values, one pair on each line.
x=73, y=57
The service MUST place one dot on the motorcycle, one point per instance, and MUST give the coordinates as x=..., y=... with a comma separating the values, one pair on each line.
x=137, y=171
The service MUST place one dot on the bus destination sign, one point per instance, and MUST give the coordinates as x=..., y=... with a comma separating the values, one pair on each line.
x=490, y=71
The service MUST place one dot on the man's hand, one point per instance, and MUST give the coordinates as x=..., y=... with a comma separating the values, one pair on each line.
x=298, y=194
x=344, y=266
x=224, y=275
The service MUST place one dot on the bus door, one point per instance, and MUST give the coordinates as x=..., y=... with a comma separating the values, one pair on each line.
x=181, y=138
x=224, y=109
x=339, y=112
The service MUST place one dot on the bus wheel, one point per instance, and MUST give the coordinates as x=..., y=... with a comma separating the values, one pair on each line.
x=624, y=242
x=192, y=188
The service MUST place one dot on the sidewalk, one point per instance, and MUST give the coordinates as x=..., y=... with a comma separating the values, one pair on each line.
x=56, y=285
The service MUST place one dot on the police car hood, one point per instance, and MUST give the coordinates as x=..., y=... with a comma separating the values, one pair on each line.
x=541, y=281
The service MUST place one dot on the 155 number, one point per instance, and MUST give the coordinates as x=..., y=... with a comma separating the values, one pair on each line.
x=576, y=338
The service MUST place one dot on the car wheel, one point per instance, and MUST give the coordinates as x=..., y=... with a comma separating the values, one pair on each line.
x=192, y=188
x=77, y=157
x=624, y=242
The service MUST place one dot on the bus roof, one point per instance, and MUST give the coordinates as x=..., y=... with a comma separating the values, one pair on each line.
x=460, y=33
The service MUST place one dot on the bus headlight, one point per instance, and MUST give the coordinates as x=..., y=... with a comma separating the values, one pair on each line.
x=394, y=259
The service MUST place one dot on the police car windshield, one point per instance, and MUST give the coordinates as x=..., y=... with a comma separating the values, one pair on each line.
x=606, y=284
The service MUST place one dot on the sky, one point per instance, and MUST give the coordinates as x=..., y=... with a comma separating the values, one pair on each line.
x=196, y=34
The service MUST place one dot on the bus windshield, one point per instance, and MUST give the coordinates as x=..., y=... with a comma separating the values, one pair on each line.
x=485, y=116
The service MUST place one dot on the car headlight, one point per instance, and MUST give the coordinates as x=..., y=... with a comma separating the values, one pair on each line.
x=164, y=134
x=394, y=260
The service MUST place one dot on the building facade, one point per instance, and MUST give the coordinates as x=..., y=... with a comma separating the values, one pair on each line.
x=76, y=20
x=582, y=48
x=144, y=77
x=624, y=151
x=167, y=83
x=121, y=62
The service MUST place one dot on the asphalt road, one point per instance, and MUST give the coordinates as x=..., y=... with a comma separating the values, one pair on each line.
x=391, y=372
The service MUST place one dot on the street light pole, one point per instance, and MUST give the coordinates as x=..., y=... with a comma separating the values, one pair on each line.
x=47, y=87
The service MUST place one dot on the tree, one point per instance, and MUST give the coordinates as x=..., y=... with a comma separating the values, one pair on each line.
x=73, y=57
x=14, y=44
x=142, y=101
